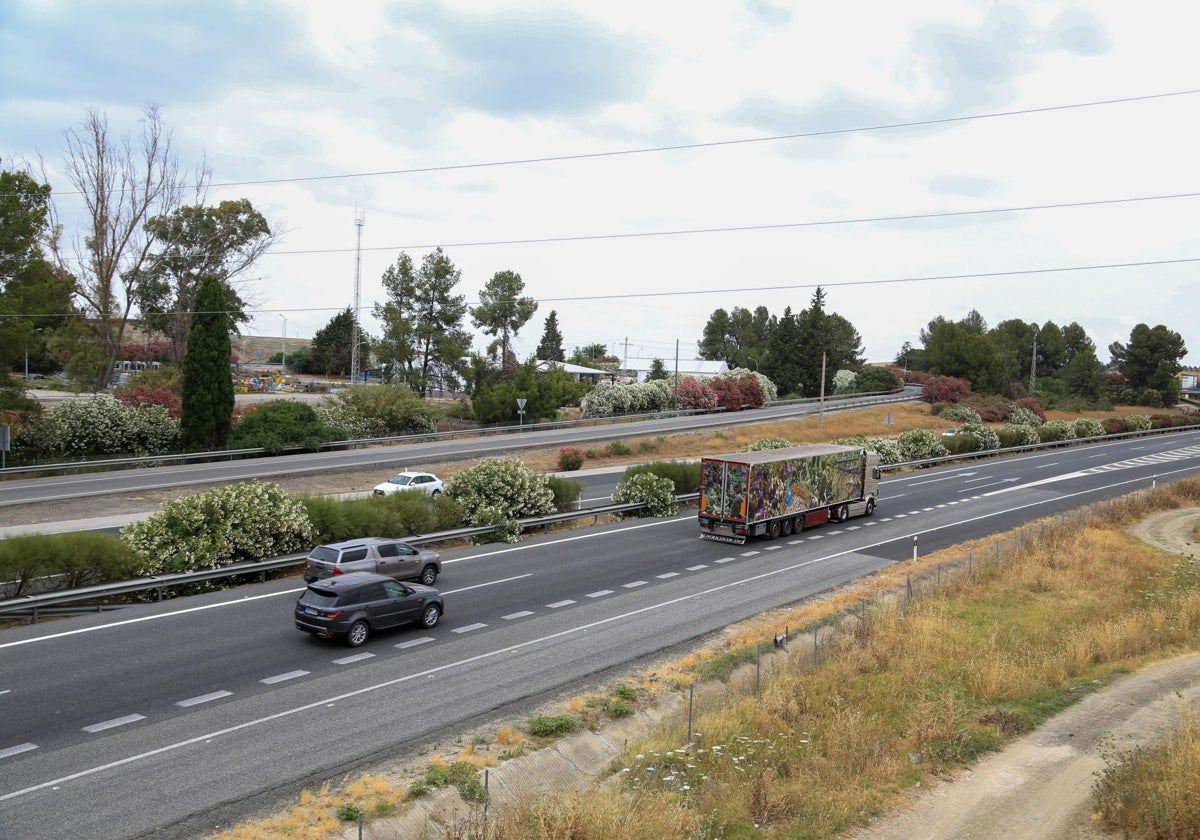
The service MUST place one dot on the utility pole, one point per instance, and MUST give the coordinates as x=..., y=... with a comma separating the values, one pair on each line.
x=821, y=403
x=359, y=221
x=675, y=382
x=1033, y=363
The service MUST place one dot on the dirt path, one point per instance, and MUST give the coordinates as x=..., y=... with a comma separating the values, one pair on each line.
x=1039, y=788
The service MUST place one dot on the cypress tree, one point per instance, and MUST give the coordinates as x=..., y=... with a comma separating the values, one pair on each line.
x=207, y=382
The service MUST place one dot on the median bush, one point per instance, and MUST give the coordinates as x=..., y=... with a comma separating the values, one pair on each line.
x=498, y=491
x=1018, y=434
x=570, y=458
x=656, y=492
x=567, y=492
x=1087, y=427
x=44, y=562
x=397, y=515
x=684, y=475
x=920, y=444
x=219, y=527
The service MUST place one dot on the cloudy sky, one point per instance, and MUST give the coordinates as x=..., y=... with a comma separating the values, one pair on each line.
x=643, y=164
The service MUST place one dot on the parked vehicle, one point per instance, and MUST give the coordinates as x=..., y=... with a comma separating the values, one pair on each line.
x=393, y=558
x=354, y=606
x=778, y=492
x=426, y=483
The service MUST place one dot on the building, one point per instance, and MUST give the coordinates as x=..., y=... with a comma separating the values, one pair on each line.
x=639, y=366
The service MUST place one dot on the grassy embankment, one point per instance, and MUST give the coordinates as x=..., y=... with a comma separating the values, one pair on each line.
x=919, y=687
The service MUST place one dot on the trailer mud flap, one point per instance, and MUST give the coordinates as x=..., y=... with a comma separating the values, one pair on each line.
x=725, y=538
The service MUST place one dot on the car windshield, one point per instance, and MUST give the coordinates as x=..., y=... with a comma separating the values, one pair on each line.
x=401, y=479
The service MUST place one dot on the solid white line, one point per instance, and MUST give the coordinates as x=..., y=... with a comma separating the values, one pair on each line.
x=600, y=594
x=278, y=678
x=204, y=698
x=591, y=536
x=414, y=642
x=489, y=583
x=583, y=628
x=1043, y=466
x=17, y=750
x=109, y=724
x=516, y=615
x=558, y=604
x=468, y=628
x=358, y=657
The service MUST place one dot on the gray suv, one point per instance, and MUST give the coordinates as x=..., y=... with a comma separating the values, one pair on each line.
x=353, y=606
x=396, y=559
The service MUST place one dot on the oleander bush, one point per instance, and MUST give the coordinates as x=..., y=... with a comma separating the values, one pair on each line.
x=683, y=475
x=570, y=458
x=99, y=426
x=1018, y=434
x=1087, y=427
x=767, y=443
x=919, y=444
x=956, y=413
x=282, y=423
x=656, y=492
x=987, y=437
x=498, y=491
x=220, y=527
x=1055, y=430
x=1021, y=415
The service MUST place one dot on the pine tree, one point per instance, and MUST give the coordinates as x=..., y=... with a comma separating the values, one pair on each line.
x=207, y=383
x=550, y=348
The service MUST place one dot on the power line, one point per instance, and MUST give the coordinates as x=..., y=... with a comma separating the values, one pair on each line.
x=825, y=284
x=700, y=145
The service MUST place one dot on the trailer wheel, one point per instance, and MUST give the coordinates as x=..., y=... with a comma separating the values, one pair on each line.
x=773, y=530
x=789, y=526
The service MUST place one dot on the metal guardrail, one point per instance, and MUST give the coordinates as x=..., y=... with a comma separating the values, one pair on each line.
x=427, y=437
x=32, y=604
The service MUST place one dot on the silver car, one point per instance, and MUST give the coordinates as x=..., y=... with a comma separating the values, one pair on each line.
x=394, y=558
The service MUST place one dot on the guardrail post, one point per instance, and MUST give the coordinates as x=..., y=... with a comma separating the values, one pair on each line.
x=914, y=548
x=35, y=615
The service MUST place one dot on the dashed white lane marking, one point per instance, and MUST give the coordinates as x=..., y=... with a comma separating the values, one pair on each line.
x=358, y=657
x=203, y=698
x=17, y=750
x=516, y=615
x=697, y=568
x=115, y=722
x=795, y=542
x=750, y=553
x=816, y=536
x=558, y=604
x=424, y=640
x=773, y=548
x=278, y=678
x=468, y=628
x=725, y=560
x=634, y=584
x=599, y=593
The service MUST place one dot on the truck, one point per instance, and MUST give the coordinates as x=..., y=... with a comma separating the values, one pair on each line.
x=780, y=492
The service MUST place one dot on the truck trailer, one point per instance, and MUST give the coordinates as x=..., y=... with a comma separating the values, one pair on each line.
x=779, y=492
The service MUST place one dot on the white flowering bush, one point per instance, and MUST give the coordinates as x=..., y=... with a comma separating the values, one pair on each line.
x=657, y=492
x=767, y=443
x=349, y=422
x=844, y=381
x=958, y=413
x=1019, y=434
x=887, y=449
x=1087, y=427
x=220, y=527
x=103, y=425
x=637, y=398
x=1053, y=430
x=1138, y=422
x=1023, y=416
x=919, y=444
x=498, y=491
x=987, y=437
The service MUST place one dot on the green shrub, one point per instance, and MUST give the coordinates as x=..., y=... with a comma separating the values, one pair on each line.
x=567, y=492
x=1138, y=422
x=615, y=708
x=625, y=692
x=961, y=444
x=547, y=726
x=386, y=409
x=1023, y=416
x=569, y=458
x=615, y=448
x=1087, y=427
x=987, y=437
x=498, y=491
x=397, y=515
x=767, y=443
x=887, y=449
x=349, y=812
x=282, y=423
x=920, y=444
x=656, y=492
x=1018, y=434
x=219, y=527
x=63, y=561
x=684, y=475
x=102, y=425
x=1055, y=430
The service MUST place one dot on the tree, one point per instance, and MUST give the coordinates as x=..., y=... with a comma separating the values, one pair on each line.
x=194, y=242
x=729, y=336
x=589, y=354
x=963, y=350
x=1083, y=376
x=207, y=383
x=422, y=322
x=551, y=347
x=121, y=187
x=658, y=370
x=782, y=362
x=824, y=337
x=502, y=311
x=718, y=343
x=332, y=344
x=1151, y=358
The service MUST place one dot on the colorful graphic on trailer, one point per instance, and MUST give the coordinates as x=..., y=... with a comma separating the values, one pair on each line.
x=782, y=485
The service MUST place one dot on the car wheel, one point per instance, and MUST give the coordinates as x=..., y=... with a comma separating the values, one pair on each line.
x=428, y=575
x=435, y=494
x=870, y=506
x=358, y=633
x=431, y=615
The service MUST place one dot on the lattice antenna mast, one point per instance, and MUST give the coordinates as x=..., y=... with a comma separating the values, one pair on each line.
x=359, y=221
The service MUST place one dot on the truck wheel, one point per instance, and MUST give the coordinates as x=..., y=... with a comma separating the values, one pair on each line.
x=773, y=530
x=870, y=506
x=428, y=575
x=843, y=513
x=789, y=525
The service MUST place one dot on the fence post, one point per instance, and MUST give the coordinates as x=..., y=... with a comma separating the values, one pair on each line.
x=486, y=797
x=816, y=648
x=691, y=702
x=914, y=548
x=757, y=666
x=970, y=566
x=862, y=613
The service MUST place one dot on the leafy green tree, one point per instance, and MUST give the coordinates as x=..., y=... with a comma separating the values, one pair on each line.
x=1083, y=376
x=718, y=343
x=422, y=322
x=1150, y=359
x=550, y=348
x=962, y=349
x=782, y=362
x=911, y=358
x=589, y=354
x=876, y=378
x=207, y=381
x=194, y=242
x=824, y=336
x=657, y=371
x=333, y=344
x=731, y=336
x=495, y=398
x=282, y=423
x=502, y=312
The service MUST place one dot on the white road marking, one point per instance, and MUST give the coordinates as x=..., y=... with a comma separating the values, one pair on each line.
x=667, y=575
x=599, y=594
x=115, y=722
x=17, y=750
x=203, y=698
x=516, y=615
x=358, y=657
x=634, y=584
x=697, y=568
x=725, y=560
x=468, y=628
x=750, y=553
x=558, y=604
x=414, y=642
x=278, y=678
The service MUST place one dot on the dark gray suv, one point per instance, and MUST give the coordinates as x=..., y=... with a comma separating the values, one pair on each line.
x=354, y=605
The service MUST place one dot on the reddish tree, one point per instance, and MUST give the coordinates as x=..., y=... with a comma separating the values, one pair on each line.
x=141, y=396
x=945, y=389
x=1034, y=406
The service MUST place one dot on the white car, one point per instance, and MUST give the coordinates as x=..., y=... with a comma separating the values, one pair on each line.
x=426, y=483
